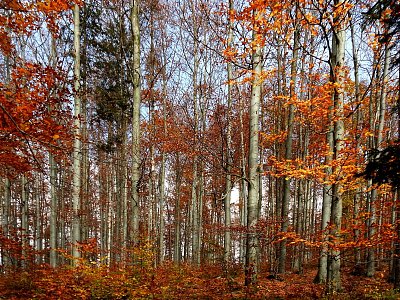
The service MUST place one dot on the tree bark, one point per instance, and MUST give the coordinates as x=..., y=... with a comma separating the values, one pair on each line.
x=337, y=77
x=288, y=151
x=357, y=196
x=251, y=264
x=136, y=78
x=371, y=265
x=76, y=158
x=228, y=179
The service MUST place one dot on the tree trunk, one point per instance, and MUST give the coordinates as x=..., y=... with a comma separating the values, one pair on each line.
x=337, y=77
x=177, y=217
x=53, y=184
x=24, y=220
x=76, y=181
x=243, y=187
x=161, y=241
x=357, y=196
x=196, y=135
x=251, y=265
x=136, y=78
x=370, y=272
x=288, y=152
x=228, y=184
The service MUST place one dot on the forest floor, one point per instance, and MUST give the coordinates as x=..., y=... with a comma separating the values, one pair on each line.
x=170, y=281
x=90, y=281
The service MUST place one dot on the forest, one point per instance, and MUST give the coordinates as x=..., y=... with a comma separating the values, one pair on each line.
x=199, y=149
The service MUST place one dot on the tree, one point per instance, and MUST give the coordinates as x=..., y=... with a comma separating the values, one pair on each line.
x=288, y=146
x=228, y=188
x=251, y=265
x=337, y=78
x=77, y=154
x=136, y=82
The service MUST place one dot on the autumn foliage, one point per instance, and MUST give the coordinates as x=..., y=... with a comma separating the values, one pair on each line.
x=35, y=113
x=194, y=150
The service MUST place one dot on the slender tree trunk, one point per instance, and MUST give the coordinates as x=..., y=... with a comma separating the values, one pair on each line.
x=24, y=219
x=161, y=240
x=152, y=205
x=194, y=196
x=288, y=152
x=38, y=220
x=53, y=184
x=371, y=265
x=251, y=265
x=136, y=78
x=177, y=217
x=85, y=167
x=228, y=185
x=337, y=61
x=102, y=178
x=76, y=181
x=123, y=188
x=62, y=213
x=357, y=196
x=243, y=186
x=6, y=205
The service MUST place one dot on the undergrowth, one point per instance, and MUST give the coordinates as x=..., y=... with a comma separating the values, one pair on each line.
x=170, y=281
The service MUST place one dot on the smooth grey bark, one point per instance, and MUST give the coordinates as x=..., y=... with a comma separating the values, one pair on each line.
x=6, y=211
x=371, y=264
x=251, y=264
x=6, y=205
x=371, y=144
x=243, y=186
x=161, y=239
x=337, y=77
x=357, y=196
x=194, y=196
x=288, y=150
x=177, y=216
x=85, y=163
x=136, y=78
x=322, y=274
x=77, y=154
x=62, y=213
x=24, y=219
x=103, y=204
x=38, y=219
x=228, y=179
x=122, y=187
x=53, y=185
x=152, y=205
x=195, y=182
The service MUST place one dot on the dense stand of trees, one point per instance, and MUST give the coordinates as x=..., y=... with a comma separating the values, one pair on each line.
x=202, y=131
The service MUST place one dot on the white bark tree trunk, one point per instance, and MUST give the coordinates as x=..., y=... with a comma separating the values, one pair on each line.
x=251, y=265
x=136, y=78
x=228, y=185
x=337, y=73
x=76, y=158
x=53, y=183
